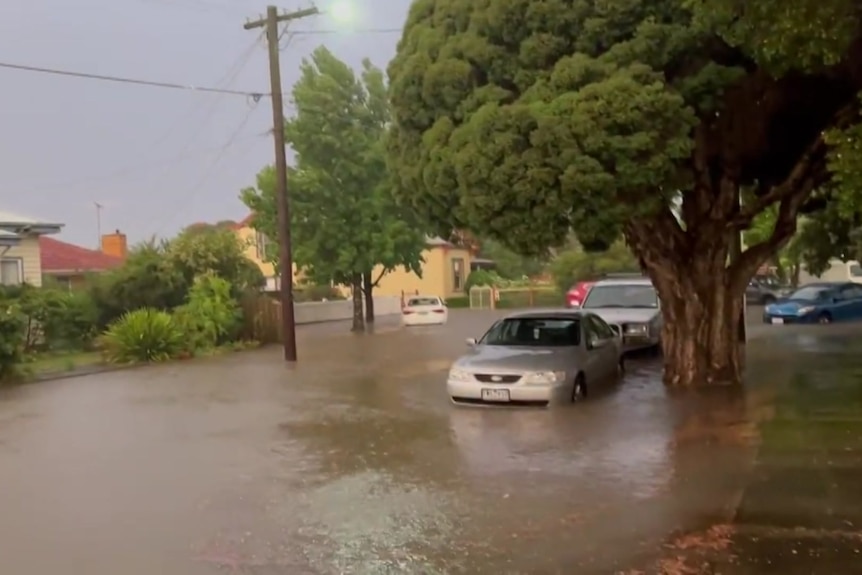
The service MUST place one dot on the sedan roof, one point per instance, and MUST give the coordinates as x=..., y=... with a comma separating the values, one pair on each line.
x=552, y=312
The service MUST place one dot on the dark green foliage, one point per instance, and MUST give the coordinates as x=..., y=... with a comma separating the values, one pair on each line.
x=160, y=275
x=146, y=280
x=576, y=264
x=458, y=302
x=508, y=264
x=143, y=335
x=522, y=120
x=57, y=319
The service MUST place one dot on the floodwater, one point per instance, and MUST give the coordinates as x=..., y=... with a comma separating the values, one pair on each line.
x=354, y=462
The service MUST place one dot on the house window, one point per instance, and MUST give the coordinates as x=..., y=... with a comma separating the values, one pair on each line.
x=261, y=244
x=458, y=274
x=11, y=271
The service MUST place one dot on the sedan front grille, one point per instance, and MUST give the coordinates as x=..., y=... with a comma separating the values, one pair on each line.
x=494, y=378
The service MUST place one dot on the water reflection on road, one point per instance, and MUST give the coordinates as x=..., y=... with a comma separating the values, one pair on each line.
x=351, y=462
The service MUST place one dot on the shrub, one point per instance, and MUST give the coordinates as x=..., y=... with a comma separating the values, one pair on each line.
x=574, y=265
x=313, y=292
x=11, y=340
x=458, y=302
x=55, y=319
x=211, y=316
x=143, y=335
x=481, y=278
x=145, y=280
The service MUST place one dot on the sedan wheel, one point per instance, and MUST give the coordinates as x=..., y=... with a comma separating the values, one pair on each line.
x=825, y=318
x=579, y=391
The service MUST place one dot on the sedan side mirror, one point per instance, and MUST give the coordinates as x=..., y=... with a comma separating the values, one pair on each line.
x=471, y=341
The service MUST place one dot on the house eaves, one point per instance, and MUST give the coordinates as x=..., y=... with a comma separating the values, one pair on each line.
x=9, y=239
x=18, y=224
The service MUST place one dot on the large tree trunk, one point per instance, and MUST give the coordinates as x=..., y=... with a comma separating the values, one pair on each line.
x=368, y=292
x=700, y=339
x=358, y=319
x=701, y=290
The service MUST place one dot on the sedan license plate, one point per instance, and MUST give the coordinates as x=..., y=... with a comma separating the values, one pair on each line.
x=498, y=395
x=777, y=321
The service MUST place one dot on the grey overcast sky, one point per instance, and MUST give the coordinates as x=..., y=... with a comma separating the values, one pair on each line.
x=156, y=159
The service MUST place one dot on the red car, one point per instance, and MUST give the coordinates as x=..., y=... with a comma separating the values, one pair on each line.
x=576, y=296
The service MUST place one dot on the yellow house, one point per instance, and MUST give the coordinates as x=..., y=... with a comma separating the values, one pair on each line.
x=20, y=254
x=444, y=273
x=259, y=249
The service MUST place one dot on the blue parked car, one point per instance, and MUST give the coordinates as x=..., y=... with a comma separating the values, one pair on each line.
x=818, y=303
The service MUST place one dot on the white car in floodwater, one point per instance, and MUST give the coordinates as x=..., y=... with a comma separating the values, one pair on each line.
x=538, y=358
x=424, y=310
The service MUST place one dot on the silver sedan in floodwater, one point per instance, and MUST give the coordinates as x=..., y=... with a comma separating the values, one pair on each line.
x=537, y=358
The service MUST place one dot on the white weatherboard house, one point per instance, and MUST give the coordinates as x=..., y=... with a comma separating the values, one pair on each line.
x=20, y=259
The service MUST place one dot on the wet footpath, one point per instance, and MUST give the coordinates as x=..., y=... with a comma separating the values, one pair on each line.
x=801, y=510
x=354, y=462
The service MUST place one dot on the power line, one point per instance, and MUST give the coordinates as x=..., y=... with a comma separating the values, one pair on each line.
x=194, y=191
x=348, y=31
x=123, y=80
x=136, y=168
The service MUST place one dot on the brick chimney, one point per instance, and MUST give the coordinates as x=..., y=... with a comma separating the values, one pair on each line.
x=115, y=245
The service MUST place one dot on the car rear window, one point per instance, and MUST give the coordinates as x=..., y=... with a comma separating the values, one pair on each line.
x=535, y=331
x=419, y=301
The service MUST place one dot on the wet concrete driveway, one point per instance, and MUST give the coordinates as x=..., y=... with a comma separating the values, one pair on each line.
x=352, y=462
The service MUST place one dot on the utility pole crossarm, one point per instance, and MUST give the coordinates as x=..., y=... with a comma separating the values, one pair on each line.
x=304, y=13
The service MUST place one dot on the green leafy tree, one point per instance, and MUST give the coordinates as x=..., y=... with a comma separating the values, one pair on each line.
x=509, y=264
x=345, y=222
x=145, y=280
x=215, y=249
x=523, y=121
x=575, y=264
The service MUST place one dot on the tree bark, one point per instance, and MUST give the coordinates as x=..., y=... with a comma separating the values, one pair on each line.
x=700, y=338
x=358, y=318
x=368, y=292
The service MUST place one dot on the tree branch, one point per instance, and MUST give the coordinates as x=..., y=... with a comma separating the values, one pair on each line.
x=785, y=228
x=809, y=172
x=383, y=272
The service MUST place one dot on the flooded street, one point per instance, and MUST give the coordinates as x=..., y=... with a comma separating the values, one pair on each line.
x=351, y=462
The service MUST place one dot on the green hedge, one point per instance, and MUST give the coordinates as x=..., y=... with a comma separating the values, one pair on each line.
x=458, y=302
x=523, y=299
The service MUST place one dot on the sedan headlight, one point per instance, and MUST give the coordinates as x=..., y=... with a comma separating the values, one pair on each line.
x=544, y=377
x=456, y=374
x=805, y=310
x=636, y=329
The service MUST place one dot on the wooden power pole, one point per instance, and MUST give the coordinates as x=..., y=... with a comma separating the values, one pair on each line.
x=271, y=22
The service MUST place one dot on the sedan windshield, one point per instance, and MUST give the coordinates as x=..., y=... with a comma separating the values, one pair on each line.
x=621, y=296
x=420, y=301
x=534, y=332
x=810, y=293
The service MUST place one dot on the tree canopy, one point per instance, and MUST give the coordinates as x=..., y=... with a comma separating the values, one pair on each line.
x=345, y=221
x=523, y=120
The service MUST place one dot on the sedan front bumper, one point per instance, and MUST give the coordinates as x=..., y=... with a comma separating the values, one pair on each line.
x=778, y=319
x=477, y=393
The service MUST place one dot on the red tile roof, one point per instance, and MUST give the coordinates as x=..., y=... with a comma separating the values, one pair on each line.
x=59, y=256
